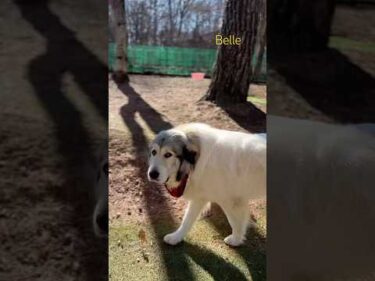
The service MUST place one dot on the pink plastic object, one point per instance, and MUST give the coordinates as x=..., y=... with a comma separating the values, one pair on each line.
x=197, y=75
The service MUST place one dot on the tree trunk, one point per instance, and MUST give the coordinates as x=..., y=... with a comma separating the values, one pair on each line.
x=155, y=23
x=262, y=39
x=121, y=35
x=297, y=26
x=171, y=23
x=260, y=57
x=233, y=72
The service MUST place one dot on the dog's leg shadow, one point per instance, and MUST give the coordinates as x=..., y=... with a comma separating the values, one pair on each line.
x=215, y=265
x=252, y=251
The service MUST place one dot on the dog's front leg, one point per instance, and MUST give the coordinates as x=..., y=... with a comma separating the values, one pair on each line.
x=192, y=212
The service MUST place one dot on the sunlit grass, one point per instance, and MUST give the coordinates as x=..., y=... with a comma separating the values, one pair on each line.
x=257, y=100
x=349, y=44
x=202, y=256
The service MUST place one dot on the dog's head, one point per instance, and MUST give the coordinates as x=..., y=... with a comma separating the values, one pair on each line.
x=173, y=155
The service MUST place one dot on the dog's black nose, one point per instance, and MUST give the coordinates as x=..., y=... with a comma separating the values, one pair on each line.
x=154, y=174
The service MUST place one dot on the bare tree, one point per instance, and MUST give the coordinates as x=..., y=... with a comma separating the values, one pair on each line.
x=183, y=10
x=171, y=18
x=121, y=65
x=262, y=40
x=155, y=22
x=174, y=22
x=232, y=72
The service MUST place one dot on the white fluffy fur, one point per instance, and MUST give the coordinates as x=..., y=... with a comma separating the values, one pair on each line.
x=322, y=194
x=231, y=169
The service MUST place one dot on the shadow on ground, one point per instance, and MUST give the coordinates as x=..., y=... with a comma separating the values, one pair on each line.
x=66, y=54
x=253, y=252
x=217, y=267
x=330, y=82
x=247, y=116
x=156, y=123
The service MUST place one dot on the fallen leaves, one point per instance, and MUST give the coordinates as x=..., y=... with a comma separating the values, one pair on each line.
x=142, y=237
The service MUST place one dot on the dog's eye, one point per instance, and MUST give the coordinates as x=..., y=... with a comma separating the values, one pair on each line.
x=153, y=152
x=167, y=155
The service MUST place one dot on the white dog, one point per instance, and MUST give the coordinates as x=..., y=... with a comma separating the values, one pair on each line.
x=204, y=165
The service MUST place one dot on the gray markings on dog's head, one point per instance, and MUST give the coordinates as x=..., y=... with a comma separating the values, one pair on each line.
x=171, y=169
x=173, y=139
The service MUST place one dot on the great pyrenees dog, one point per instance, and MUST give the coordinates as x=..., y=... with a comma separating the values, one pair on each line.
x=204, y=164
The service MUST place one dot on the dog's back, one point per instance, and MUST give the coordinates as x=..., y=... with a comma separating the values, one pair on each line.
x=231, y=164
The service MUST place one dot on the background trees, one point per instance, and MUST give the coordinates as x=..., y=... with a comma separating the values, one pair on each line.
x=194, y=23
x=182, y=23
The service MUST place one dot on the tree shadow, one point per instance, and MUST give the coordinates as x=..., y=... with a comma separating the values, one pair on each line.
x=247, y=116
x=216, y=266
x=136, y=104
x=155, y=121
x=253, y=252
x=66, y=54
x=331, y=83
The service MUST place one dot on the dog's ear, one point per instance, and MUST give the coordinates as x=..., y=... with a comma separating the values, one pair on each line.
x=179, y=175
x=187, y=161
x=189, y=155
x=192, y=148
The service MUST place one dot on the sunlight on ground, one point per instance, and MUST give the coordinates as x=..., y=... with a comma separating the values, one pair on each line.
x=257, y=100
x=348, y=44
x=202, y=256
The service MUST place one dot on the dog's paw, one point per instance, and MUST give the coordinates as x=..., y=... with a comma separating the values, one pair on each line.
x=233, y=241
x=172, y=239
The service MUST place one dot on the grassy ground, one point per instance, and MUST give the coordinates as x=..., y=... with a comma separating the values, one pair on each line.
x=343, y=43
x=202, y=256
x=257, y=100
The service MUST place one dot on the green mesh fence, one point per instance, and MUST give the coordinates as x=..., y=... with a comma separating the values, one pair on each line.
x=172, y=60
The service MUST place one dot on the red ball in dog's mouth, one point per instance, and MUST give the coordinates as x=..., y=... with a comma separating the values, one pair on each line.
x=178, y=190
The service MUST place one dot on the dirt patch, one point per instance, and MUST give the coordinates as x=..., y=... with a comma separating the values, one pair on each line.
x=44, y=235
